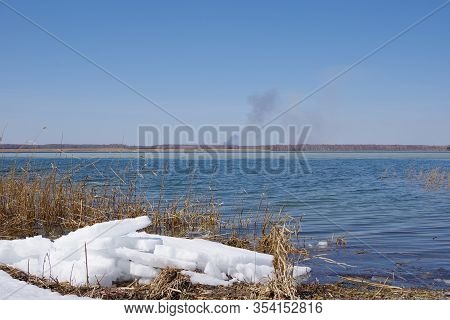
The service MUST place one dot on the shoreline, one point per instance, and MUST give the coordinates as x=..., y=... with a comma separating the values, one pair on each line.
x=343, y=290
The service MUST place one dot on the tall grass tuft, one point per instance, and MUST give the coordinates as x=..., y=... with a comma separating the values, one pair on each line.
x=282, y=285
x=52, y=205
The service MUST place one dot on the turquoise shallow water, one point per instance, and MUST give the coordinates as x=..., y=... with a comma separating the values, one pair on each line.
x=394, y=226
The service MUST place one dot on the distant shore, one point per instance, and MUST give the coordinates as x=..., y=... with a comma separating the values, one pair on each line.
x=68, y=148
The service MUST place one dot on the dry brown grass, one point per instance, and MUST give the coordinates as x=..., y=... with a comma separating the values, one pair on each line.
x=170, y=284
x=185, y=216
x=282, y=285
x=53, y=205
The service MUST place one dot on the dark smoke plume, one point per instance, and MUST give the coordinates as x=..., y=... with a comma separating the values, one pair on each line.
x=263, y=105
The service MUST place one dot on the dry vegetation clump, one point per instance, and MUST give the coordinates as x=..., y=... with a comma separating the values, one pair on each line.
x=348, y=291
x=170, y=284
x=185, y=216
x=252, y=232
x=282, y=285
x=434, y=179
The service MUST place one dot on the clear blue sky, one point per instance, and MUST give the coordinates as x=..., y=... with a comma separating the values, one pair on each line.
x=202, y=60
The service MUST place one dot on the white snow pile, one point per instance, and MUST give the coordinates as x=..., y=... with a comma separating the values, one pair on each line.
x=113, y=251
x=13, y=289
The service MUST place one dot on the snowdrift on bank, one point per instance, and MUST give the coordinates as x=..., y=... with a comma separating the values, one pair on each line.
x=113, y=251
x=12, y=289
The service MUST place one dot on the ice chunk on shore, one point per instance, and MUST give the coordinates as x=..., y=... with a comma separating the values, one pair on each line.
x=12, y=251
x=176, y=253
x=101, y=270
x=110, y=229
x=224, y=257
x=30, y=265
x=141, y=244
x=153, y=260
x=116, y=252
x=253, y=273
x=141, y=271
x=212, y=270
x=301, y=271
x=201, y=278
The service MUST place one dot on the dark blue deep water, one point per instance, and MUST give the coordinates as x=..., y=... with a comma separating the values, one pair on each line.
x=394, y=226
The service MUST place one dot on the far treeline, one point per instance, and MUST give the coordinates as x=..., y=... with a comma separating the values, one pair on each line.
x=305, y=147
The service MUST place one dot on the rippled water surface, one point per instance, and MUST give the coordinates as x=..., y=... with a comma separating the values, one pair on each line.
x=393, y=225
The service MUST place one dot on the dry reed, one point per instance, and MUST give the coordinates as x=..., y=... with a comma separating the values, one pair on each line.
x=54, y=204
x=434, y=179
x=282, y=285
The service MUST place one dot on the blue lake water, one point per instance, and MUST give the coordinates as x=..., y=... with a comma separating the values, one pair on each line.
x=394, y=227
